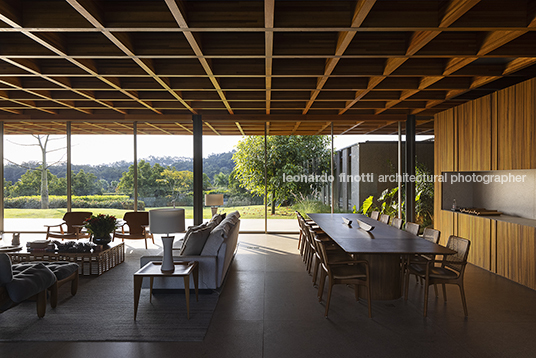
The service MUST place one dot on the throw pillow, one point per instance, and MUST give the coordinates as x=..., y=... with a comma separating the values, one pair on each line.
x=193, y=244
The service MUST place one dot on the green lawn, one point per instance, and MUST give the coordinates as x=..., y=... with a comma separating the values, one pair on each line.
x=246, y=212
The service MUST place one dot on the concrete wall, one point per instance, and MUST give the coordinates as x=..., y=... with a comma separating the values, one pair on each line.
x=378, y=158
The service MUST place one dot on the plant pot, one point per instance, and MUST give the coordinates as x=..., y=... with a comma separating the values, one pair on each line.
x=102, y=240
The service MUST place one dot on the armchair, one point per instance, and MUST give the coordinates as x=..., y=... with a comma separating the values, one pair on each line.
x=138, y=227
x=71, y=227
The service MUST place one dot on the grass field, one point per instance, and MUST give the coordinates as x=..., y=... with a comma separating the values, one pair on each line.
x=246, y=212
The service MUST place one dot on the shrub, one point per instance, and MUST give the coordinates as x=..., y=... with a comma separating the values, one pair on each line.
x=88, y=201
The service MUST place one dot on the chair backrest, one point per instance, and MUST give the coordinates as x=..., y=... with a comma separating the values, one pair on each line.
x=413, y=228
x=135, y=221
x=75, y=218
x=384, y=218
x=397, y=222
x=375, y=215
x=431, y=235
x=458, y=260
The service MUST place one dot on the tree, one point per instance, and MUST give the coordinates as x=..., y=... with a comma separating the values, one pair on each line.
x=286, y=155
x=83, y=183
x=148, y=180
x=43, y=168
x=221, y=180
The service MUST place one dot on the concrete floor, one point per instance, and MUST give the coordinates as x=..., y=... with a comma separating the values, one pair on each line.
x=268, y=308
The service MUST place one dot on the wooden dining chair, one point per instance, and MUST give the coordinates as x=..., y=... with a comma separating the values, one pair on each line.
x=413, y=228
x=384, y=218
x=375, y=215
x=355, y=272
x=451, y=271
x=397, y=222
x=334, y=252
x=431, y=235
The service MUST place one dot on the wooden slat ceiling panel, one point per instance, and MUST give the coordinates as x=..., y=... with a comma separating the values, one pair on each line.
x=364, y=65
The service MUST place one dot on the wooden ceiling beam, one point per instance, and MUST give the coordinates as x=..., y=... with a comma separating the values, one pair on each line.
x=323, y=128
x=452, y=11
x=269, y=18
x=211, y=127
x=361, y=11
x=181, y=21
x=240, y=128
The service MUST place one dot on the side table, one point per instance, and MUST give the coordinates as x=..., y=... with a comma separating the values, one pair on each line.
x=152, y=270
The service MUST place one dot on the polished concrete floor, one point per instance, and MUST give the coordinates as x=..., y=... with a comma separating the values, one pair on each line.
x=268, y=308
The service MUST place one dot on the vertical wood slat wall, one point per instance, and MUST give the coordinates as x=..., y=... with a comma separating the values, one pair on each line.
x=495, y=132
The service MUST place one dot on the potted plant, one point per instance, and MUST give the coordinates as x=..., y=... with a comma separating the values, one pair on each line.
x=100, y=227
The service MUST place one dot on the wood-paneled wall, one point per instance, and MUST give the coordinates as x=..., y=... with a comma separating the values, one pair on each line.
x=495, y=132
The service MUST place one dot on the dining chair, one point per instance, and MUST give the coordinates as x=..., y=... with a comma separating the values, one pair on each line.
x=451, y=271
x=397, y=222
x=375, y=215
x=384, y=218
x=355, y=272
x=413, y=228
x=138, y=225
x=71, y=227
x=334, y=252
x=431, y=235
x=301, y=222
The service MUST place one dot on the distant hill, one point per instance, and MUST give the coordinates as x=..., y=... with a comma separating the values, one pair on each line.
x=212, y=165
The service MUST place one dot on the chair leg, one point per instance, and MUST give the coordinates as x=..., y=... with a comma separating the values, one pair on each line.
x=444, y=292
x=321, y=285
x=435, y=289
x=369, y=300
x=41, y=303
x=315, y=271
x=426, y=289
x=145, y=244
x=329, y=298
x=299, y=240
x=464, y=302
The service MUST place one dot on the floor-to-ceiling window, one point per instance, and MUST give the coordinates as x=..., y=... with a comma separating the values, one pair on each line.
x=35, y=185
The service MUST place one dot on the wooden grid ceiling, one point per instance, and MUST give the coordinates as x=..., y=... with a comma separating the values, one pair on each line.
x=296, y=65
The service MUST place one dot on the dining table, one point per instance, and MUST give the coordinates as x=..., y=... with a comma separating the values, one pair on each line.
x=385, y=248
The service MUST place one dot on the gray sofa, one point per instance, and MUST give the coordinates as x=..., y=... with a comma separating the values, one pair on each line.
x=212, y=244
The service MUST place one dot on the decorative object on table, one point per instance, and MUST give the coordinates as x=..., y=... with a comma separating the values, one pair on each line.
x=101, y=227
x=214, y=200
x=74, y=246
x=479, y=211
x=347, y=221
x=40, y=245
x=16, y=239
x=364, y=226
x=167, y=221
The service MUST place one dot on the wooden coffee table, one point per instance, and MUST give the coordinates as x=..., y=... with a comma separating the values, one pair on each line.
x=91, y=263
x=152, y=270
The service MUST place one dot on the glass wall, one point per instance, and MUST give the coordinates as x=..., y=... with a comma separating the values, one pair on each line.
x=165, y=172
x=101, y=173
x=35, y=184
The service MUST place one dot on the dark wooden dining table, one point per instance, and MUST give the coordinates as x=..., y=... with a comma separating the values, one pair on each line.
x=383, y=247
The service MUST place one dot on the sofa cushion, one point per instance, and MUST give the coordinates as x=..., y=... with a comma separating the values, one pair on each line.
x=193, y=243
x=6, y=272
x=217, y=218
x=218, y=235
x=30, y=282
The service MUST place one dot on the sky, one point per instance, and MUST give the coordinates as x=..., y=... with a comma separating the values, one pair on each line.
x=104, y=149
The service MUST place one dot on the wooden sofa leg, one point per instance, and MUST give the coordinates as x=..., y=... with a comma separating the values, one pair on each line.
x=74, y=283
x=41, y=303
x=53, y=295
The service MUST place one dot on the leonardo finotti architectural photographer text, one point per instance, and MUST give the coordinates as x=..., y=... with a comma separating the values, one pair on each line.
x=406, y=178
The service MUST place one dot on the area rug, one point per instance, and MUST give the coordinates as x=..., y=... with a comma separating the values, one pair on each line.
x=103, y=310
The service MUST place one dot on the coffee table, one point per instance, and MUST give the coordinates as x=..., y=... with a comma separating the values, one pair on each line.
x=153, y=269
x=90, y=263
